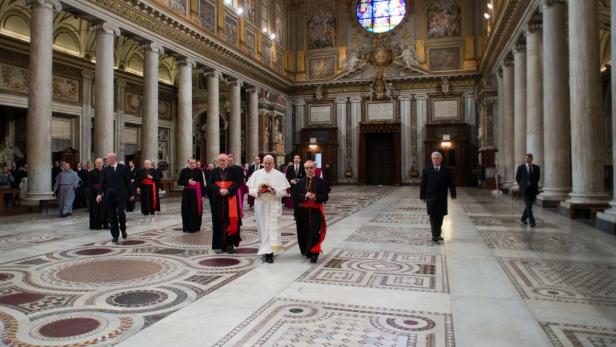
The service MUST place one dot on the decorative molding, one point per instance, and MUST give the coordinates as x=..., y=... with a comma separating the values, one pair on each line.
x=181, y=61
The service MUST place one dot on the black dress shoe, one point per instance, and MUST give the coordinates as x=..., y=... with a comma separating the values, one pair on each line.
x=523, y=221
x=114, y=240
x=313, y=258
x=124, y=235
x=269, y=258
x=435, y=239
x=532, y=225
x=230, y=249
x=440, y=238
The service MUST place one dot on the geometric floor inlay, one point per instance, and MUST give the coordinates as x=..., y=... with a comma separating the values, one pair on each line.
x=505, y=221
x=399, y=218
x=574, y=335
x=415, y=236
x=287, y=322
x=381, y=269
x=581, y=282
x=531, y=241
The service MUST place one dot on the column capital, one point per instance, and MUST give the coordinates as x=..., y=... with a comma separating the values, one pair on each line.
x=405, y=96
x=499, y=73
x=120, y=82
x=341, y=99
x=212, y=73
x=300, y=102
x=508, y=60
x=355, y=98
x=185, y=61
x=87, y=73
x=550, y=3
x=252, y=90
x=105, y=27
x=152, y=46
x=53, y=4
x=533, y=27
x=520, y=46
x=235, y=83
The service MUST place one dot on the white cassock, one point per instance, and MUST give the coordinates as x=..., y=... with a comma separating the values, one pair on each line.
x=268, y=208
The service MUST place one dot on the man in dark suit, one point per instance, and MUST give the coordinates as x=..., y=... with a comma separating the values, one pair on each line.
x=527, y=176
x=115, y=187
x=435, y=181
x=256, y=165
x=294, y=173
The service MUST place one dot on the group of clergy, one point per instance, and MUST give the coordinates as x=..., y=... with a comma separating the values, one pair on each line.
x=225, y=185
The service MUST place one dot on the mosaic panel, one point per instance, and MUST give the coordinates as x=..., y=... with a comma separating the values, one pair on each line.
x=398, y=236
x=381, y=269
x=573, y=335
x=580, y=282
x=505, y=221
x=544, y=242
x=286, y=322
x=399, y=218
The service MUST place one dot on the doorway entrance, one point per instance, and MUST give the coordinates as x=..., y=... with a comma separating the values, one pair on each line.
x=379, y=154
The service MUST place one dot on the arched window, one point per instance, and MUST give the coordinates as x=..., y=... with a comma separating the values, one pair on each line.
x=380, y=16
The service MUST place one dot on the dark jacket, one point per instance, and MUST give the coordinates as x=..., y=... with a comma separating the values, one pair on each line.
x=291, y=172
x=529, y=184
x=116, y=182
x=434, y=189
x=320, y=188
x=251, y=169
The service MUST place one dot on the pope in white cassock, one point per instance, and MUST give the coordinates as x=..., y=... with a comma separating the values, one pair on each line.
x=268, y=185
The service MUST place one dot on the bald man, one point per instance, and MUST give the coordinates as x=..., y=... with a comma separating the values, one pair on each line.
x=115, y=189
x=223, y=184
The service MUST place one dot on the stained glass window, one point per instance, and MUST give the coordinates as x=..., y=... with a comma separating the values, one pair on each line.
x=380, y=16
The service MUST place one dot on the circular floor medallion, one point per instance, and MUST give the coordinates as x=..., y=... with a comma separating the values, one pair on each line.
x=93, y=251
x=104, y=271
x=246, y=250
x=219, y=262
x=5, y=276
x=20, y=298
x=138, y=298
x=131, y=242
x=69, y=327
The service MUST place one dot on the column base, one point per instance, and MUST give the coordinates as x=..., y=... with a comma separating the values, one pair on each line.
x=550, y=199
x=583, y=208
x=39, y=196
x=606, y=221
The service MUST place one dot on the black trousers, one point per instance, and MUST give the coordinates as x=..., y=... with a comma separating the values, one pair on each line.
x=436, y=222
x=528, y=210
x=116, y=207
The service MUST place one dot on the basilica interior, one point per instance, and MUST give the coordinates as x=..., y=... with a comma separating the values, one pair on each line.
x=368, y=89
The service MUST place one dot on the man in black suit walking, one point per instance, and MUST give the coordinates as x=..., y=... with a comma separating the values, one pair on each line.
x=115, y=188
x=294, y=172
x=527, y=176
x=435, y=181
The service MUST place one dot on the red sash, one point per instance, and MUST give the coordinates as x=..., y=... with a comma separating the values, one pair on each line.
x=233, y=212
x=316, y=249
x=150, y=182
x=197, y=188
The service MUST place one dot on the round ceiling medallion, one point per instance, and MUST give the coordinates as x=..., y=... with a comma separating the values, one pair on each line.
x=380, y=16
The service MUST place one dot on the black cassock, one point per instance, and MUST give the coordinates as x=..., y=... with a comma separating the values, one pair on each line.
x=191, y=216
x=98, y=212
x=150, y=201
x=222, y=238
x=130, y=205
x=309, y=220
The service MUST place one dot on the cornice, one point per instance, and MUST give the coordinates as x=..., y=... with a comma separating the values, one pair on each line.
x=149, y=18
x=505, y=28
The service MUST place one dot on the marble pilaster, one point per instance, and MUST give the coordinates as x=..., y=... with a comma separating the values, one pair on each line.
x=149, y=125
x=422, y=120
x=519, y=97
x=354, y=133
x=534, y=93
x=341, y=108
x=405, y=136
x=556, y=169
x=252, y=124
x=235, y=120
x=587, y=137
x=38, y=121
x=104, y=88
x=85, y=138
x=185, y=110
x=508, y=123
x=212, y=139
x=121, y=118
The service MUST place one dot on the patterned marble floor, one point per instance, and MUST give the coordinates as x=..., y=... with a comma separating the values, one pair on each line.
x=380, y=282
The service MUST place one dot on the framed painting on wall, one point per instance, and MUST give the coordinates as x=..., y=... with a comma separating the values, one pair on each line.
x=207, y=15
x=251, y=43
x=444, y=58
x=231, y=30
x=321, y=67
x=320, y=114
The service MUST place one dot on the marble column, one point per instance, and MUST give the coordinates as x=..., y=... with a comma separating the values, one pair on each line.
x=149, y=125
x=300, y=106
x=405, y=136
x=252, y=124
x=422, y=120
x=104, y=88
x=355, y=119
x=499, y=120
x=121, y=118
x=519, y=97
x=341, y=116
x=606, y=221
x=185, y=111
x=85, y=138
x=587, y=135
x=38, y=122
x=534, y=93
x=212, y=140
x=556, y=168
x=235, y=120
x=508, y=120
